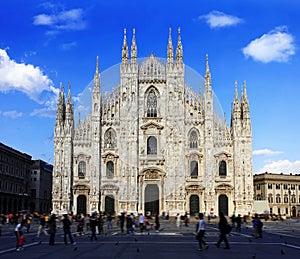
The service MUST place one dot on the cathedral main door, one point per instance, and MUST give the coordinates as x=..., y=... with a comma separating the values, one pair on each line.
x=194, y=205
x=152, y=199
x=81, y=205
x=223, y=204
x=109, y=204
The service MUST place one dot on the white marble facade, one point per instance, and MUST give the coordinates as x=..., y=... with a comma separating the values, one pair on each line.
x=153, y=144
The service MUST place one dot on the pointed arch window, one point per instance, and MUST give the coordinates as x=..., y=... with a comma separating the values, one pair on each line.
x=151, y=104
x=222, y=168
x=193, y=139
x=152, y=146
x=110, y=171
x=81, y=170
x=194, y=169
x=110, y=140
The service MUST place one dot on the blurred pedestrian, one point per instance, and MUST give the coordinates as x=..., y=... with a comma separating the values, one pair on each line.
x=201, y=231
x=42, y=226
x=19, y=233
x=93, y=224
x=157, y=224
x=67, y=229
x=223, y=231
x=238, y=221
x=52, y=229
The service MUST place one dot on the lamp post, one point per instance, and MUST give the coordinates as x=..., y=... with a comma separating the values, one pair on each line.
x=289, y=192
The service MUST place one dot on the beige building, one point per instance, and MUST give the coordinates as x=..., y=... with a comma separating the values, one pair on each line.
x=282, y=192
x=153, y=143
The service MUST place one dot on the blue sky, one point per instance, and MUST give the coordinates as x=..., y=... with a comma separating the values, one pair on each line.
x=43, y=43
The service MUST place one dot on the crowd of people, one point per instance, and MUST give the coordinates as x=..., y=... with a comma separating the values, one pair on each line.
x=128, y=223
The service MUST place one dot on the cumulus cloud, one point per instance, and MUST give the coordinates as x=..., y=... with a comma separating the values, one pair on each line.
x=28, y=79
x=70, y=20
x=11, y=114
x=281, y=166
x=217, y=19
x=276, y=45
x=266, y=152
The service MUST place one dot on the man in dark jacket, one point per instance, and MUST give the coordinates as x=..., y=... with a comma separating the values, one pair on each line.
x=223, y=231
x=67, y=229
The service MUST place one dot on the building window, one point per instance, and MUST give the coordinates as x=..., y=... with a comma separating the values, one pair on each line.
x=270, y=199
x=258, y=187
x=285, y=199
x=194, y=139
x=277, y=186
x=293, y=187
x=285, y=186
x=151, y=104
x=110, y=140
x=270, y=186
x=152, y=146
x=81, y=169
x=222, y=168
x=278, y=210
x=278, y=200
x=293, y=199
x=194, y=169
x=110, y=171
x=286, y=211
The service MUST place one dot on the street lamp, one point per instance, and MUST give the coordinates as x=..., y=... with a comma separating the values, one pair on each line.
x=289, y=192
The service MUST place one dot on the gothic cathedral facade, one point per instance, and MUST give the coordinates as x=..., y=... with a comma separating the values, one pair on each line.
x=153, y=144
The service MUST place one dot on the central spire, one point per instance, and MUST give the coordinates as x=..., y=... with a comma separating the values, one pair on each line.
x=179, y=54
x=170, y=56
x=124, y=49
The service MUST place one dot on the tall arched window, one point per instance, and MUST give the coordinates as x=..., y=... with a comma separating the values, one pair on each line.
x=81, y=169
x=110, y=171
x=194, y=169
x=222, y=168
x=152, y=146
x=110, y=140
x=151, y=104
x=194, y=139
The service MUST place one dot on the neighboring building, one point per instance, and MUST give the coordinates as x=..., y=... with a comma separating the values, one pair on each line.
x=41, y=186
x=282, y=192
x=14, y=180
x=153, y=144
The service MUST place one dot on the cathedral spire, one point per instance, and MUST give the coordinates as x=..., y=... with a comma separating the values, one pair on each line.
x=245, y=104
x=179, y=54
x=133, y=49
x=60, y=113
x=97, y=77
x=124, y=49
x=207, y=75
x=69, y=108
x=170, y=55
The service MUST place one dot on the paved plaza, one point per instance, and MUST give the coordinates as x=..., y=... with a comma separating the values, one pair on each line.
x=280, y=240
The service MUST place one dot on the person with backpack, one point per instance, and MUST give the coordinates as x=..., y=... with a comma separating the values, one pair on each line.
x=223, y=228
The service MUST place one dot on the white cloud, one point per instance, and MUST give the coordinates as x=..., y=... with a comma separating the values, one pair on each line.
x=281, y=166
x=28, y=79
x=66, y=20
x=11, y=114
x=68, y=46
x=266, y=152
x=218, y=19
x=276, y=45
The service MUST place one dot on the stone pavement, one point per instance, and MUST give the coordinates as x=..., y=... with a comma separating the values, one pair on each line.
x=280, y=240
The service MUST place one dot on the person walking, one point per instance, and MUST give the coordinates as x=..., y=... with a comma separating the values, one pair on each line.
x=178, y=220
x=141, y=222
x=67, y=229
x=157, y=224
x=93, y=224
x=52, y=229
x=238, y=221
x=42, y=226
x=109, y=221
x=200, y=232
x=19, y=233
x=223, y=231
